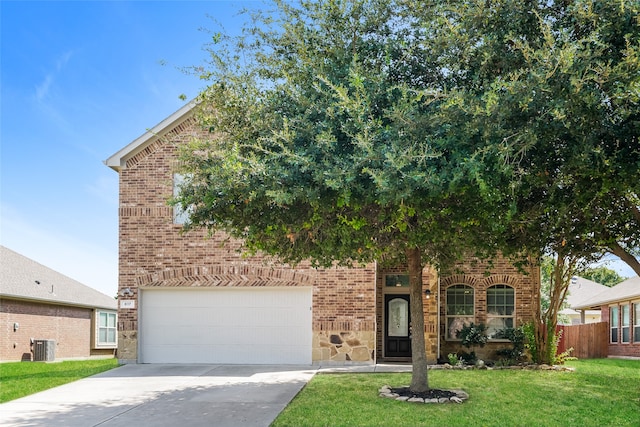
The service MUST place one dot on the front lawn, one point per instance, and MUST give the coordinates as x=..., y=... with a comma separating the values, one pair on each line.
x=603, y=392
x=24, y=378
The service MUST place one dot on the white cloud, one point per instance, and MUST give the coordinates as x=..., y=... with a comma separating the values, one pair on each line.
x=63, y=60
x=44, y=94
x=42, y=90
x=92, y=265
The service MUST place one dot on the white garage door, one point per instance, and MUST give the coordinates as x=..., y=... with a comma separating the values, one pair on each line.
x=226, y=325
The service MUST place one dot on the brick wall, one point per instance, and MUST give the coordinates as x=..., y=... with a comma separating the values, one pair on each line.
x=620, y=349
x=154, y=253
x=480, y=276
x=347, y=303
x=70, y=327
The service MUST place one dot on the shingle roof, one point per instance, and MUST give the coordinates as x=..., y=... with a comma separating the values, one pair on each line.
x=23, y=278
x=625, y=291
x=581, y=290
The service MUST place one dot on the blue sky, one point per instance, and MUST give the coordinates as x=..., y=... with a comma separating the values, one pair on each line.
x=79, y=81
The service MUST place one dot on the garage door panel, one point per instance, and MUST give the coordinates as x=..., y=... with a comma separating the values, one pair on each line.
x=230, y=325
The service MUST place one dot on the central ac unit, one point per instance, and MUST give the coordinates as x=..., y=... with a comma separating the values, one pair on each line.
x=44, y=350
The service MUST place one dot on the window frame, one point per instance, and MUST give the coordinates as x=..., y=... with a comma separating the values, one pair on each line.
x=396, y=281
x=614, y=324
x=625, y=323
x=180, y=216
x=512, y=306
x=109, y=314
x=635, y=313
x=465, y=319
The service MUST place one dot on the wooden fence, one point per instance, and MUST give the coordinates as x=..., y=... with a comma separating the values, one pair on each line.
x=589, y=341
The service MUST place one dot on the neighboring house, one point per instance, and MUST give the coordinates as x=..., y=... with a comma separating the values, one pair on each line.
x=45, y=315
x=581, y=290
x=620, y=308
x=191, y=297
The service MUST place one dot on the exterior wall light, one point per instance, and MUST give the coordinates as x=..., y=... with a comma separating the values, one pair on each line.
x=427, y=292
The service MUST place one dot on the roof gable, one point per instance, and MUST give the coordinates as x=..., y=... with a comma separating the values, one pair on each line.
x=143, y=144
x=581, y=290
x=624, y=291
x=24, y=278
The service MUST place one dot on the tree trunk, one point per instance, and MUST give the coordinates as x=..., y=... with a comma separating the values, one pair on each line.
x=419, y=381
x=563, y=270
x=625, y=256
x=538, y=326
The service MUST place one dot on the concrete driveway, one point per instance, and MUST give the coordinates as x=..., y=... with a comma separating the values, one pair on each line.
x=164, y=395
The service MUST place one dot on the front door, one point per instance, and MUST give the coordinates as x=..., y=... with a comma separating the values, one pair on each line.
x=397, y=331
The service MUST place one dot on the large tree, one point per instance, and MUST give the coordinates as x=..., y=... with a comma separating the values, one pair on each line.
x=550, y=92
x=323, y=146
x=412, y=132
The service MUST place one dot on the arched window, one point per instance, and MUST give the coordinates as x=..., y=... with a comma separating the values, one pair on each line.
x=500, y=309
x=460, y=309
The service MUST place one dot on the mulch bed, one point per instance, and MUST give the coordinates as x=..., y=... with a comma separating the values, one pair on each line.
x=429, y=394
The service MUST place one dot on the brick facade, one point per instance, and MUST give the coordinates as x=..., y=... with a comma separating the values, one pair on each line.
x=347, y=303
x=154, y=253
x=70, y=327
x=623, y=349
x=480, y=276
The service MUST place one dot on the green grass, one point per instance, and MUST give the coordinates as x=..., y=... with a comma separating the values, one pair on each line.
x=604, y=392
x=24, y=378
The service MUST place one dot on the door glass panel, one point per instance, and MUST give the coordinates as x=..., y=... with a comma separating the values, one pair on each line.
x=398, y=317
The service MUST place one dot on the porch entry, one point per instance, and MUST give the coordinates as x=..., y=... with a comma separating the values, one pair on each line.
x=397, y=331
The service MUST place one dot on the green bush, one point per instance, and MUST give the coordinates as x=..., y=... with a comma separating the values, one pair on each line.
x=530, y=340
x=473, y=335
x=517, y=338
x=453, y=359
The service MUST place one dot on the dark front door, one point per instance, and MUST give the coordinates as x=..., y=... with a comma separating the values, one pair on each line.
x=397, y=339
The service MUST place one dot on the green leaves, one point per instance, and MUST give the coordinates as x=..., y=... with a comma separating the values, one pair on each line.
x=514, y=124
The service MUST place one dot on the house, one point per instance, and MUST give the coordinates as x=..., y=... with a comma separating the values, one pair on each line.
x=191, y=297
x=620, y=308
x=45, y=315
x=581, y=290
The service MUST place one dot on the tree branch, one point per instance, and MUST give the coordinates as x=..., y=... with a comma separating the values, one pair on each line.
x=625, y=256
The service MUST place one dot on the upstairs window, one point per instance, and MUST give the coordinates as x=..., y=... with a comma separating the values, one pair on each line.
x=180, y=216
x=460, y=309
x=500, y=309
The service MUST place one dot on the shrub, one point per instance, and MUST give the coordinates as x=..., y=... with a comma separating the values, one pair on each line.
x=530, y=340
x=471, y=336
x=453, y=359
x=517, y=338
